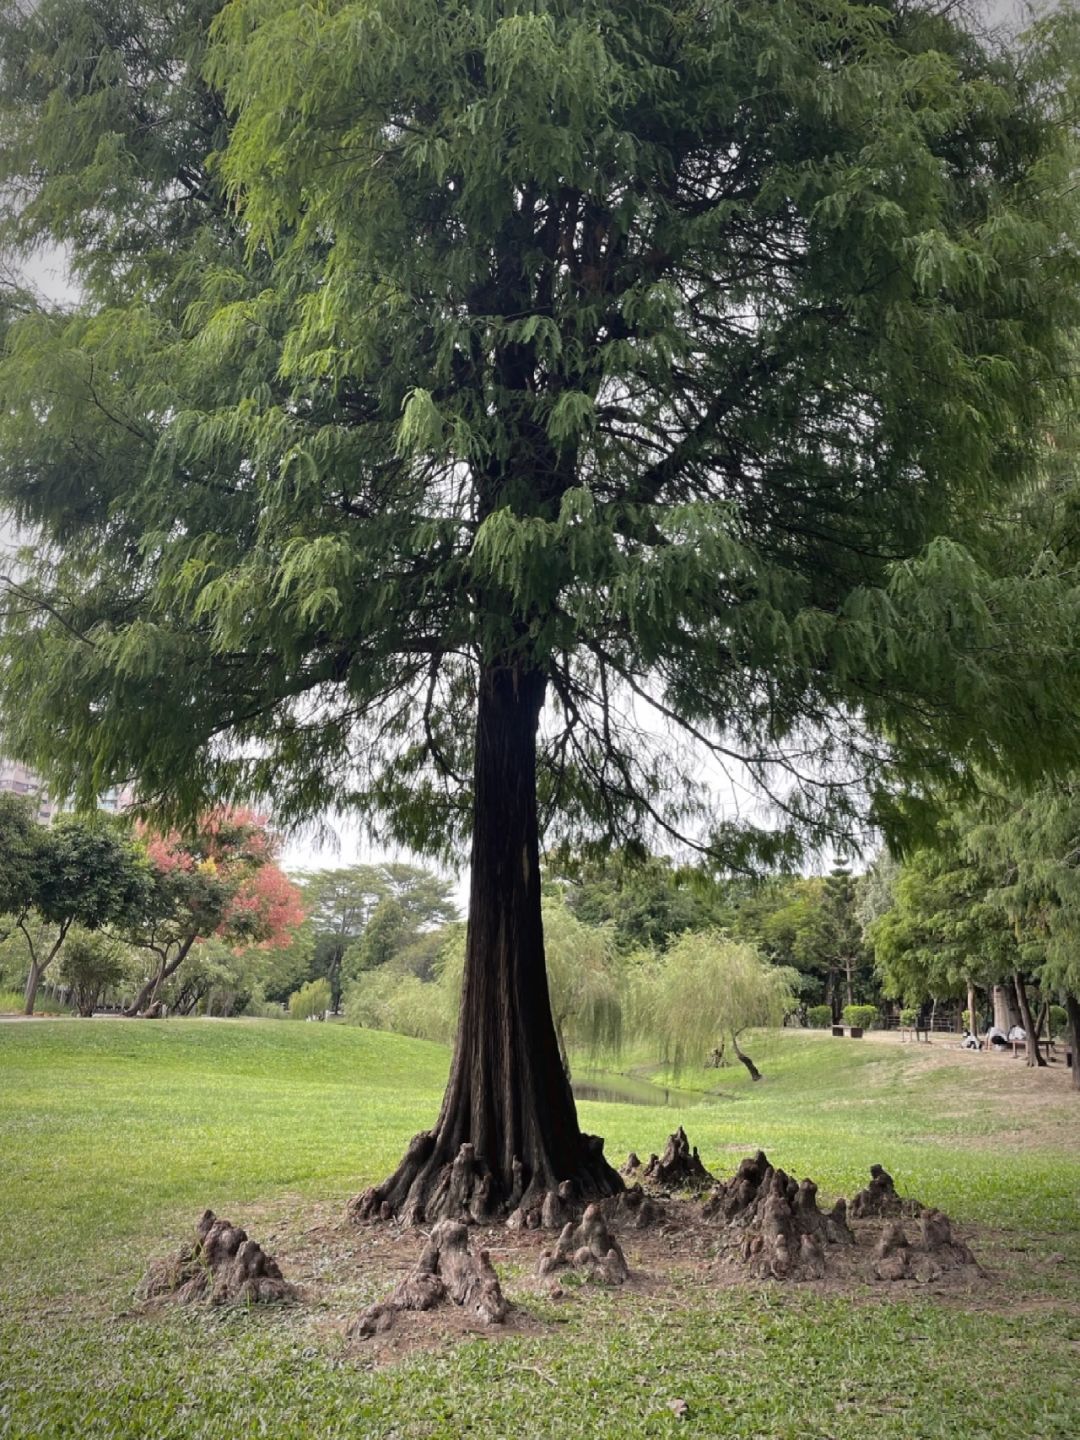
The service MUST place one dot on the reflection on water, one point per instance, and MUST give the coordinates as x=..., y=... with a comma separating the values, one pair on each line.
x=622, y=1090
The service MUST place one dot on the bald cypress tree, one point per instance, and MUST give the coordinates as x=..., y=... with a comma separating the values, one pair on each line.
x=468, y=398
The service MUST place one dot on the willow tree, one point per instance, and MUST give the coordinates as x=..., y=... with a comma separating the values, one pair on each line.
x=499, y=419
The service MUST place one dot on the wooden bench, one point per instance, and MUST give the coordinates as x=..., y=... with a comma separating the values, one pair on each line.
x=1019, y=1047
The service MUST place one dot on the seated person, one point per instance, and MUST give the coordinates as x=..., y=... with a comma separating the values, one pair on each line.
x=1017, y=1033
x=970, y=1041
x=996, y=1036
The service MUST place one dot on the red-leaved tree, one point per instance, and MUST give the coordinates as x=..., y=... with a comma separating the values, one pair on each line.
x=220, y=880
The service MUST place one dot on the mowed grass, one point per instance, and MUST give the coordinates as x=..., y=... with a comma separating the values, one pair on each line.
x=114, y=1135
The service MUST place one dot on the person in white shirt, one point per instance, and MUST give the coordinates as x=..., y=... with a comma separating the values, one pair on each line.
x=996, y=1036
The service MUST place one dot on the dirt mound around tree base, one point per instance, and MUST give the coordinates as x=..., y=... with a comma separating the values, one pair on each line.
x=223, y=1266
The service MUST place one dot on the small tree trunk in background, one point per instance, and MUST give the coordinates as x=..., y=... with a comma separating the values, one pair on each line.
x=755, y=1073
x=1042, y=1020
x=847, y=980
x=973, y=1016
x=1034, y=1054
x=38, y=967
x=1072, y=1009
x=139, y=1003
x=33, y=980
x=149, y=992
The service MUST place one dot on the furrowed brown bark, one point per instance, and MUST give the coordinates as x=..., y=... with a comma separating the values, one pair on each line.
x=508, y=1131
x=1034, y=1054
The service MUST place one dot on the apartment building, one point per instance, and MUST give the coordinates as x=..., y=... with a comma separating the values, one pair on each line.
x=19, y=779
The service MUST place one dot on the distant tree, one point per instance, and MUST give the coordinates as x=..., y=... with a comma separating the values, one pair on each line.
x=218, y=880
x=1033, y=843
x=343, y=903
x=87, y=872
x=311, y=1001
x=585, y=977
x=707, y=989
x=386, y=933
x=942, y=936
x=838, y=900
x=646, y=900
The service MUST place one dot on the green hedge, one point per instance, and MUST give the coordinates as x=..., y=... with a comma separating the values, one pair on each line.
x=860, y=1016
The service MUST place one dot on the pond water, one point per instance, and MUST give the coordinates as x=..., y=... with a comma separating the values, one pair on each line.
x=625, y=1090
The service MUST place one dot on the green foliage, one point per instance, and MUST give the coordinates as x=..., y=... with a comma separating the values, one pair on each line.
x=420, y=338
x=908, y=1016
x=363, y=915
x=86, y=871
x=311, y=1001
x=645, y=899
x=92, y=964
x=819, y=1017
x=586, y=981
x=384, y=935
x=861, y=1016
x=20, y=838
x=1058, y=1020
x=392, y=998
x=943, y=930
x=707, y=987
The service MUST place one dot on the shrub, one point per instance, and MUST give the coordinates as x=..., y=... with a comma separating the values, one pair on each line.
x=1059, y=1020
x=312, y=999
x=909, y=1016
x=860, y=1016
x=91, y=964
x=819, y=1017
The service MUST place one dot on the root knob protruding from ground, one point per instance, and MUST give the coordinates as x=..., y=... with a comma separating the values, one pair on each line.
x=678, y=1168
x=224, y=1266
x=879, y=1201
x=935, y=1251
x=446, y=1270
x=589, y=1247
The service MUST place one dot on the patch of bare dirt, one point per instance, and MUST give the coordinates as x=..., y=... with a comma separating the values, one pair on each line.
x=692, y=1247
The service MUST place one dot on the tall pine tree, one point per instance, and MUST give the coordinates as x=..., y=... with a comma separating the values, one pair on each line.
x=464, y=392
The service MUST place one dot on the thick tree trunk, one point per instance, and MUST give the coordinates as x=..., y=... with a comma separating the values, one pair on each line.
x=973, y=1014
x=508, y=1132
x=1006, y=1014
x=1072, y=1009
x=1034, y=1054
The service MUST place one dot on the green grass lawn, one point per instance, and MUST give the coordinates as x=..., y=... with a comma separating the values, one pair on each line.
x=114, y=1135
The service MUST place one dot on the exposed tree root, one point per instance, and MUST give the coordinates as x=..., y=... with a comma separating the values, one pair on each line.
x=783, y=1233
x=879, y=1201
x=633, y=1209
x=425, y=1188
x=679, y=1168
x=590, y=1247
x=222, y=1267
x=895, y=1258
x=446, y=1270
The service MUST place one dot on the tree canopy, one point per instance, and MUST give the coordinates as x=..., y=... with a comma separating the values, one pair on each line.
x=465, y=394
x=678, y=355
